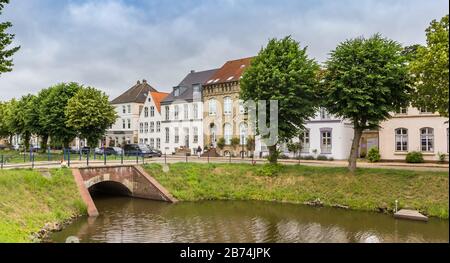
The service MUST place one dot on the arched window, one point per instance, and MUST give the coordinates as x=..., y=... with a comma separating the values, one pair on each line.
x=228, y=133
x=243, y=132
x=227, y=106
x=212, y=107
x=401, y=140
x=427, y=139
x=146, y=112
x=212, y=134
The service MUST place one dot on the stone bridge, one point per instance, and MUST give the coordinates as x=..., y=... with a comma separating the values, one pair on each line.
x=124, y=179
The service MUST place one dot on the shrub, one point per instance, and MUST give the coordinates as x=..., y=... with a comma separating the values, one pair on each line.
x=414, y=157
x=221, y=143
x=363, y=155
x=374, y=155
x=269, y=170
x=322, y=158
x=284, y=156
x=441, y=157
x=308, y=157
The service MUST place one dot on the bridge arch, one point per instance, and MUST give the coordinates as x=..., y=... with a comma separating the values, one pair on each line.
x=110, y=187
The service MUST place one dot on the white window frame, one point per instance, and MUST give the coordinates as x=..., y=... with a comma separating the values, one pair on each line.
x=401, y=138
x=228, y=133
x=326, y=148
x=429, y=139
x=227, y=106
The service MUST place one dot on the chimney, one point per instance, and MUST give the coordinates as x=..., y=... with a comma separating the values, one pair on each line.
x=192, y=71
x=144, y=81
x=138, y=82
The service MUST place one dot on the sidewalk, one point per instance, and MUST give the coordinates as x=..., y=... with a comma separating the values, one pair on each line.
x=195, y=159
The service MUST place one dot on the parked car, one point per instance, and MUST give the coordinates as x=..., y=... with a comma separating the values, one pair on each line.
x=137, y=149
x=86, y=150
x=108, y=150
x=74, y=150
x=155, y=153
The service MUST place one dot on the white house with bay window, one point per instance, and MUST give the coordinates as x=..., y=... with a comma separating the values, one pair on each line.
x=411, y=129
x=150, y=121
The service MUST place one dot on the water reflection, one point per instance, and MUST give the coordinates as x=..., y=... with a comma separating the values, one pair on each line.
x=134, y=220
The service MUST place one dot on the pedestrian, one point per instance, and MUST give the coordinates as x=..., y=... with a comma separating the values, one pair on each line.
x=199, y=151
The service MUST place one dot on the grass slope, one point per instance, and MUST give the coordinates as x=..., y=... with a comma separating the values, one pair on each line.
x=28, y=201
x=369, y=189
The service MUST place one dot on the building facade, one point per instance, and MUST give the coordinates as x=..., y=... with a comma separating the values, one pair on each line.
x=411, y=129
x=128, y=107
x=150, y=126
x=182, y=115
x=224, y=115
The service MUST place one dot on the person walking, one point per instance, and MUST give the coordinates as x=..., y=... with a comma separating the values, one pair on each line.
x=199, y=151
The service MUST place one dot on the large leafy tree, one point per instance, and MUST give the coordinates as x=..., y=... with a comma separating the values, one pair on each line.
x=19, y=121
x=4, y=128
x=282, y=71
x=6, y=40
x=52, y=112
x=90, y=114
x=365, y=80
x=430, y=69
x=36, y=120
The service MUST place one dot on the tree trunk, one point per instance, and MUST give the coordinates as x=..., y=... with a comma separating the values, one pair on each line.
x=273, y=155
x=44, y=143
x=354, y=151
x=26, y=140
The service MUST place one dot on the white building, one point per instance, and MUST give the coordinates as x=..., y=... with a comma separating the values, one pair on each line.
x=128, y=106
x=150, y=128
x=182, y=115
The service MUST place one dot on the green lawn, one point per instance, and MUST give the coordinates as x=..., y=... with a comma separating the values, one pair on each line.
x=28, y=201
x=369, y=189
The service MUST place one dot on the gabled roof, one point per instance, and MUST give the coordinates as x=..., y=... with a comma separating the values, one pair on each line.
x=136, y=94
x=186, y=86
x=231, y=71
x=157, y=98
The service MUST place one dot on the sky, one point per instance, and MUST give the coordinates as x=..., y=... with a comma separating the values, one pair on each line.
x=110, y=44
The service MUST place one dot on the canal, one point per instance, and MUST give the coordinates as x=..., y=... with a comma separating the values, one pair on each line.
x=127, y=220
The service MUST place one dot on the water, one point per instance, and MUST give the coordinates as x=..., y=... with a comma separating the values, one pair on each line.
x=135, y=220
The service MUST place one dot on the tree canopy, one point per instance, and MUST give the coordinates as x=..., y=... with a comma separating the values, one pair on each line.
x=90, y=114
x=282, y=71
x=6, y=39
x=430, y=69
x=364, y=81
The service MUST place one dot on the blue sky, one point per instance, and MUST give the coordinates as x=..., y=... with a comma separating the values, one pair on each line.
x=110, y=44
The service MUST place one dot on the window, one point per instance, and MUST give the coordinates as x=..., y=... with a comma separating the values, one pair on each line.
x=158, y=126
x=152, y=127
x=197, y=95
x=141, y=127
x=427, y=139
x=129, y=108
x=401, y=140
x=146, y=112
x=124, y=125
x=152, y=143
x=402, y=111
x=167, y=113
x=167, y=135
x=146, y=127
x=124, y=109
x=324, y=115
x=152, y=111
x=146, y=141
x=177, y=135
x=158, y=143
x=242, y=108
x=228, y=133
x=243, y=129
x=325, y=141
x=141, y=140
x=176, y=91
x=195, y=111
x=305, y=141
x=228, y=105
x=195, y=133
x=129, y=124
x=424, y=110
x=212, y=107
x=177, y=112
x=186, y=111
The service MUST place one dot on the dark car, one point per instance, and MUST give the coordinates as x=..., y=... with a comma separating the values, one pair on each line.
x=137, y=150
x=86, y=150
x=155, y=153
x=108, y=151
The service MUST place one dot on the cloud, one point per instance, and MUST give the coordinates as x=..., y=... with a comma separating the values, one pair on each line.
x=111, y=44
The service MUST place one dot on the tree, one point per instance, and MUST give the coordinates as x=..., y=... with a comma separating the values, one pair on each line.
x=294, y=147
x=90, y=114
x=430, y=69
x=365, y=80
x=4, y=128
x=6, y=39
x=18, y=119
x=235, y=141
x=52, y=112
x=221, y=143
x=250, y=144
x=36, y=119
x=283, y=72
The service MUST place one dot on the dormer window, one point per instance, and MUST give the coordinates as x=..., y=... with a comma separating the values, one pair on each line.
x=176, y=91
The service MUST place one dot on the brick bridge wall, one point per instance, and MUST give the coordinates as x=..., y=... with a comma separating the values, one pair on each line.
x=134, y=178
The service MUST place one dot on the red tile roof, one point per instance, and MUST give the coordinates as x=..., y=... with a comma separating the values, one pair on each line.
x=157, y=98
x=231, y=71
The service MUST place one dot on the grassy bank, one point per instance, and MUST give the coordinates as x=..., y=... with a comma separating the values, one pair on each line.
x=369, y=189
x=29, y=200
